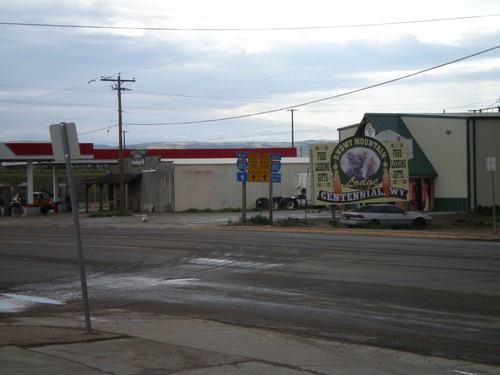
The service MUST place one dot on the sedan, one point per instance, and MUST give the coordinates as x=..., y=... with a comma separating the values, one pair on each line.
x=378, y=215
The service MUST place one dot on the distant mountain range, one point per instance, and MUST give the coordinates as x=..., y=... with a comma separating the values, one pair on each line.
x=302, y=147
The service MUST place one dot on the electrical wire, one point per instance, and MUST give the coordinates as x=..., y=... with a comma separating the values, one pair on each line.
x=322, y=99
x=128, y=28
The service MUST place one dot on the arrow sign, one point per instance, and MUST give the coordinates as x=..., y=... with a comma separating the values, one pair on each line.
x=241, y=176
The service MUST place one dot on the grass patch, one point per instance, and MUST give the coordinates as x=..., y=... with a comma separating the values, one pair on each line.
x=334, y=223
x=108, y=214
x=209, y=210
x=290, y=222
x=259, y=220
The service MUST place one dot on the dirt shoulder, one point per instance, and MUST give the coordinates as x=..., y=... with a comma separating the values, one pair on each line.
x=462, y=222
x=466, y=223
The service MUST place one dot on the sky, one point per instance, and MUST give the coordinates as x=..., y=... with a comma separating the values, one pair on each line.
x=239, y=71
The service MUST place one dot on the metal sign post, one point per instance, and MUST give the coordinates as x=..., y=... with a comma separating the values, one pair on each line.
x=491, y=166
x=65, y=146
x=242, y=176
x=271, y=203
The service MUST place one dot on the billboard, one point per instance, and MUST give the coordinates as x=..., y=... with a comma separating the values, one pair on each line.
x=360, y=170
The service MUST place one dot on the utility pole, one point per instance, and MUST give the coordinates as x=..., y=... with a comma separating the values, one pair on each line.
x=121, y=167
x=292, y=110
x=124, y=139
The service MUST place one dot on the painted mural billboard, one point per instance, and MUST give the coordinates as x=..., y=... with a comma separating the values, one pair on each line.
x=360, y=170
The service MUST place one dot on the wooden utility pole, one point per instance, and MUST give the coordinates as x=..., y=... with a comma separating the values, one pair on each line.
x=292, y=110
x=121, y=167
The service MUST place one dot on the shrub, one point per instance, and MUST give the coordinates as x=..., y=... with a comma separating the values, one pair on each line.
x=259, y=220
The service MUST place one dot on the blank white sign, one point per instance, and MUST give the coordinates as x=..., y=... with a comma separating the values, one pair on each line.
x=56, y=136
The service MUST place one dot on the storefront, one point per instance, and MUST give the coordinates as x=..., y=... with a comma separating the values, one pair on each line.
x=447, y=156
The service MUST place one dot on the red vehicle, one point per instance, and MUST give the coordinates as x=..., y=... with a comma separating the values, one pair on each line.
x=40, y=199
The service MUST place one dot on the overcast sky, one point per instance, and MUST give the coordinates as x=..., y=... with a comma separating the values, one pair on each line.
x=231, y=70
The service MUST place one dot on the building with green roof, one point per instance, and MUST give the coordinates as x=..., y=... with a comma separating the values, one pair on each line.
x=447, y=156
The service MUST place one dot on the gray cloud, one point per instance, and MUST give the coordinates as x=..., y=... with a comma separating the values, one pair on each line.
x=188, y=76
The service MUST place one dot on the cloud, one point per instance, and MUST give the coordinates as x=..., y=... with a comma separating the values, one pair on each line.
x=307, y=52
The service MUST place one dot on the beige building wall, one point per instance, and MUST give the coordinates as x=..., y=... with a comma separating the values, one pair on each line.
x=444, y=141
x=487, y=136
x=348, y=132
x=212, y=184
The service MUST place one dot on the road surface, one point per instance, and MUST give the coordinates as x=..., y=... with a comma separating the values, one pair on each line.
x=428, y=296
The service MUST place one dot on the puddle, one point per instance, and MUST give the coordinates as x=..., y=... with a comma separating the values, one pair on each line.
x=8, y=307
x=135, y=282
x=18, y=302
x=32, y=299
x=181, y=281
x=232, y=263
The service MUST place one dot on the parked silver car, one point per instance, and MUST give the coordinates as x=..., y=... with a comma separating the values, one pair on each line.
x=378, y=215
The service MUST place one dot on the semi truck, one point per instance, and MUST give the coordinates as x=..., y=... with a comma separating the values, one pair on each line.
x=301, y=196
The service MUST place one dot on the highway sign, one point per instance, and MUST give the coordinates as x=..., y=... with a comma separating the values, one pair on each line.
x=258, y=166
x=276, y=177
x=253, y=156
x=253, y=177
x=242, y=155
x=275, y=156
x=253, y=166
x=275, y=166
x=265, y=157
x=264, y=166
x=242, y=165
x=241, y=176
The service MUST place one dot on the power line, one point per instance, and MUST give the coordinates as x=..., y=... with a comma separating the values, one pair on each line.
x=322, y=99
x=100, y=27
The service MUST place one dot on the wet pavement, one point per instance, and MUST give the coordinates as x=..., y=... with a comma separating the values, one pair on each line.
x=177, y=219
x=299, y=222
x=125, y=342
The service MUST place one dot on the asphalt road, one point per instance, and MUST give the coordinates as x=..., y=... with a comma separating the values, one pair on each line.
x=439, y=297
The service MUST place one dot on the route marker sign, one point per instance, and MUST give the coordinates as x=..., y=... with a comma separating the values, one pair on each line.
x=242, y=176
x=275, y=166
x=242, y=165
x=276, y=177
x=259, y=167
x=275, y=156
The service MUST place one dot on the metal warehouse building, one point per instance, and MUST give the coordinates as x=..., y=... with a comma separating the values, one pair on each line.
x=195, y=184
x=448, y=155
x=178, y=184
x=212, y=183
x=447, y=166
x=160, y=180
